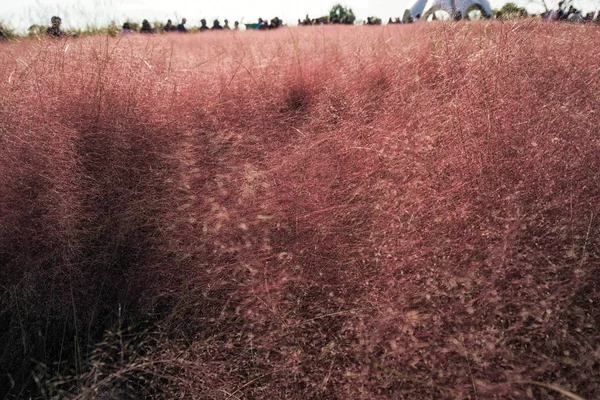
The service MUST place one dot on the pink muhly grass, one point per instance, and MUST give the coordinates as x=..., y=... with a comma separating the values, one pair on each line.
x=337, y=212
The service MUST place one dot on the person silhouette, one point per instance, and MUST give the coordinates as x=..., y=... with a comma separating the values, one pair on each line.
x=181, y=27
x=126, y=31
x=216, y=25
x=262, y=25
x=146, y=28
x=54, y=31
x=275, y=23
x=203, y=26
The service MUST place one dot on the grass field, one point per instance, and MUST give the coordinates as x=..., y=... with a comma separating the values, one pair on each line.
x=397, y=212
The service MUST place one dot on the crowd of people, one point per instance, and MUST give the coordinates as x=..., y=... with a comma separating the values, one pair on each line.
x=346, y=20
x=146, y=28
x=570, y=14
x=561, y=13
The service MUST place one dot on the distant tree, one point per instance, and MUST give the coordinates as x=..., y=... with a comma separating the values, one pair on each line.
x=342, y=14
x=511, y=10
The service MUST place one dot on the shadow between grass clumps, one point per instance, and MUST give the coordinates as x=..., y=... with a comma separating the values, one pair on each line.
x=297, y=98
x=68, y=294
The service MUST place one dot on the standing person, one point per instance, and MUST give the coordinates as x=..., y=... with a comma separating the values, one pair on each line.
x=181, y=26
x=560, y=12
x=146, y=28
x=126, y=31
x=275, y=23
x=216, y=26
x=226, y=25
x=262, y=25
x=168, y=27
x=236, y=26
x=54, y=31
x=574, y=14
x=203, y=26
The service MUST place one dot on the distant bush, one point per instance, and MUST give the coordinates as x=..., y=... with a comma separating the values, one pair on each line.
x=9, y=32
x=111, y=29
x=36, y=30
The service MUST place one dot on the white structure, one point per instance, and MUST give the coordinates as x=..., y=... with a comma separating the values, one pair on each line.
x=424, y=8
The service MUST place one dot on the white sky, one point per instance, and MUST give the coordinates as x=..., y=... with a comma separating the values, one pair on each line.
x=21, y=14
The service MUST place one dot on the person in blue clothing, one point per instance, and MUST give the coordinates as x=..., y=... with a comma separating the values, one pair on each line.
x=262, y=25
x=181, y=26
